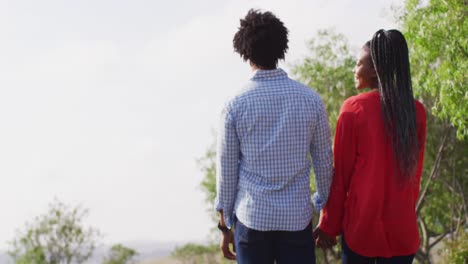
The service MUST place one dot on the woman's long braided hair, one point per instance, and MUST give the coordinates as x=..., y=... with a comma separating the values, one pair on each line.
x=389, y=53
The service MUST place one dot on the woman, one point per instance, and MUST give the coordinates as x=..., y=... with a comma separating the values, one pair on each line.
x=378, y=152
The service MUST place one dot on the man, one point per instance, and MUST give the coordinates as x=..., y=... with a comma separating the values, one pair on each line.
x=270, y=135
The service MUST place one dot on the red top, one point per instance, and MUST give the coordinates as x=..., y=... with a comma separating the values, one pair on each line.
x=375, y=212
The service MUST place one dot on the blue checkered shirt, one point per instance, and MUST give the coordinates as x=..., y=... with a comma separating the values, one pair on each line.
x=270, y=135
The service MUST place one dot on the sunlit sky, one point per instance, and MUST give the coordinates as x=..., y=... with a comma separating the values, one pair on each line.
x=109, y=103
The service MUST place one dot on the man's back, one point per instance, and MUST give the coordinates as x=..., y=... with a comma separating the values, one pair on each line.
x=277, y=122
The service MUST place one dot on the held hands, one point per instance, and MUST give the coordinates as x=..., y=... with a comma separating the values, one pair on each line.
x=226, y=239
x=322, y=240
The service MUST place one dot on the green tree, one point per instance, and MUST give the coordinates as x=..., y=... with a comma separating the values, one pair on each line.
x=207, y=165
x=120, y=254
x=328, y=69
x=457, y=251
x=33, y=255
x=58, y=236
x=436, y=32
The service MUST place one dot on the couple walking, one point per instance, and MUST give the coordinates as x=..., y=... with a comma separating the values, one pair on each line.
x=276, y=129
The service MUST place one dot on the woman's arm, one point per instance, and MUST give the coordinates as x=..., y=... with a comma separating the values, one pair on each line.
x=345, y=147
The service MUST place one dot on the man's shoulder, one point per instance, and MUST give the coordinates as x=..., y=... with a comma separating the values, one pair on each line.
x=244, y=93
x=297, y=88
x=252, y=90
x=305, y=90
x=238, y=98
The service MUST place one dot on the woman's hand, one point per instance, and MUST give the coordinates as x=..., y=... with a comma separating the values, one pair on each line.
x=322, y=240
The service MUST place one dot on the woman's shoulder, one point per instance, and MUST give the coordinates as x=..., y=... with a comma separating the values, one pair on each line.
x=355, y=103
x=419, y=105
x=420, y=109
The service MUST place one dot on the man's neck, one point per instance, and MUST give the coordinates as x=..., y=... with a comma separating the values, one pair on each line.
x=255, y=67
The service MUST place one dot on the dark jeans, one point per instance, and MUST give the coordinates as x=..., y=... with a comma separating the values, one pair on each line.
x=350, y=257
x=266, y=247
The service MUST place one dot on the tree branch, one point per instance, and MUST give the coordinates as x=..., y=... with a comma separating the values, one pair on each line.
x=420, y=256
x=440, y=237
x=462, y=193
x=425, y=237
x=434, y=171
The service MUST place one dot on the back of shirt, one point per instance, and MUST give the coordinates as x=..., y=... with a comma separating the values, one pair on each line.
x=378, y=216
x=278, y=124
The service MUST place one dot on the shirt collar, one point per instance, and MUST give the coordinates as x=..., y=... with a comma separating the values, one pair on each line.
x=268, y=74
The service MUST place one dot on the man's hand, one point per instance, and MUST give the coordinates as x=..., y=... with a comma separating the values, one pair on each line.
x=322, y=240
x=226, y=239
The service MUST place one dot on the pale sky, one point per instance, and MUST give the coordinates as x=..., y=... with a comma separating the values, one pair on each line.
x=109, y=103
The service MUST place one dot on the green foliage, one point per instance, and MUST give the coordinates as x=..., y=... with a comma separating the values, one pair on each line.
x=446, y=195
x=208, y=185
x=33, y=255
x=120, y=255
x=458, y=249
x=55, y=237
x=329, y=71
x=436, y=35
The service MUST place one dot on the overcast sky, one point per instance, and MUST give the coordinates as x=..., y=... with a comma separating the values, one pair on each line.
x=109, y=103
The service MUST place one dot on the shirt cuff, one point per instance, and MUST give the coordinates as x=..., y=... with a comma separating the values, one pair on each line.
x=228, y=217
x=318, y=202
x=329, y=232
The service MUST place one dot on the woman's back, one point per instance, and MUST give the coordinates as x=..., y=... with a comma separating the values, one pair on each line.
x=380, y=219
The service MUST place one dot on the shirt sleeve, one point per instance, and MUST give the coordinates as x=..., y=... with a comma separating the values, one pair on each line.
x=227, y=166
x=322, y=158
x=331, y=217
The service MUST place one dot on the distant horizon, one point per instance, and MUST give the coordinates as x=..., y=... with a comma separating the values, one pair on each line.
x=148, y=253
x=129, y=243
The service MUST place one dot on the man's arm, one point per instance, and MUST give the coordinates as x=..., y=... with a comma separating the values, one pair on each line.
x=227, y=176
x=227, y=167
x=322, y=157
